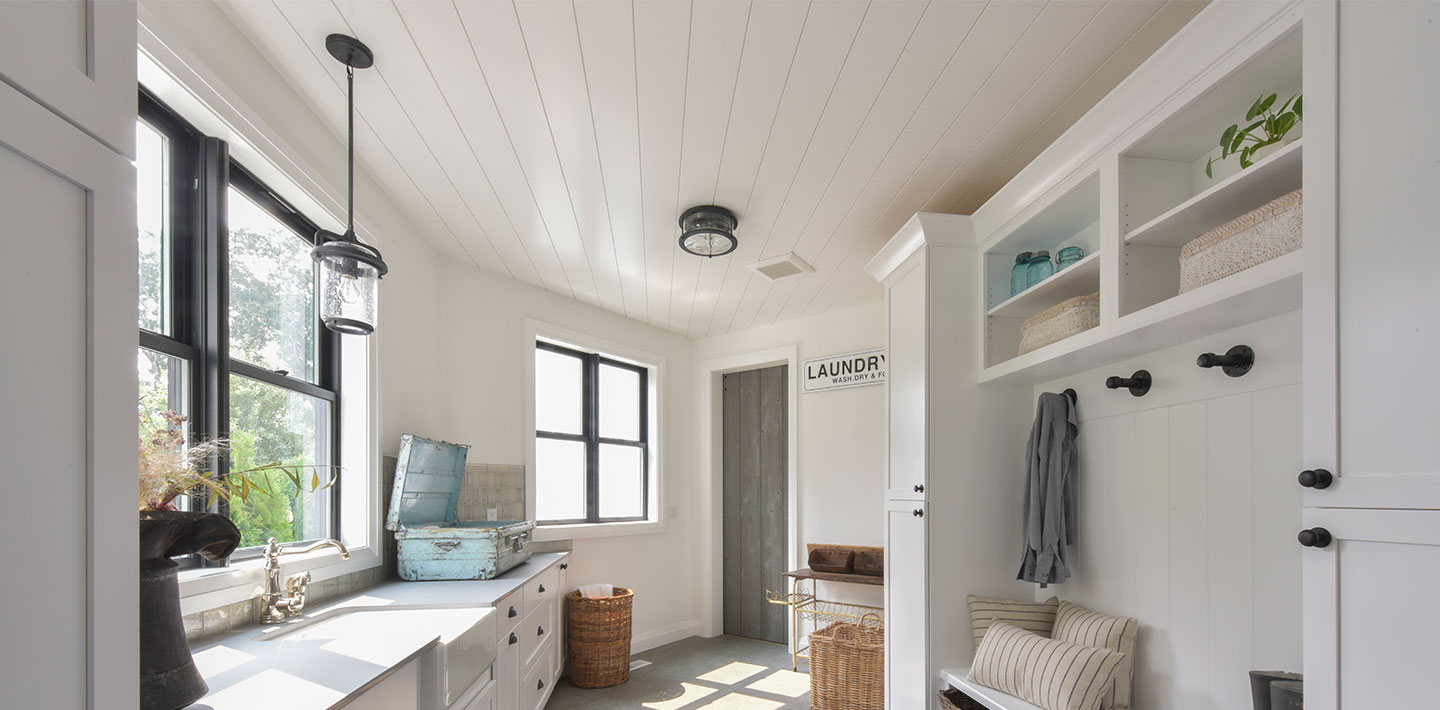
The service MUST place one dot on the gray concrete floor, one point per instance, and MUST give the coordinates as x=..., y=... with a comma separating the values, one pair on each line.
x=722, y=673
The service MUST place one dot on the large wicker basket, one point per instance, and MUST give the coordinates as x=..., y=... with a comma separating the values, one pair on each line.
x=847, y=667
x=1269, y=231
x=598, y=633
x=952, y=699
x=1059, y=322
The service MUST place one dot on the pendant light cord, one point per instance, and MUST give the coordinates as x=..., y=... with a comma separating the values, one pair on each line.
x=350, y=96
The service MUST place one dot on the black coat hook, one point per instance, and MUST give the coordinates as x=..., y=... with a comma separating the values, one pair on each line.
x=1236, y=362
x=1071, y=395
x=1138, y=383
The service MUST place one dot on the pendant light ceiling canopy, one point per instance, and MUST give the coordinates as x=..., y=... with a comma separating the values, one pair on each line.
x=349, y=270
x=708, y=231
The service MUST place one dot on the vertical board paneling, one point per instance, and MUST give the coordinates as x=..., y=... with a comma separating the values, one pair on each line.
x=1155, y=666
x=1276, y=517
x=773, y=509
x=730, y=413
x=1230, y=567
x=1189, y=555
x=756, y=510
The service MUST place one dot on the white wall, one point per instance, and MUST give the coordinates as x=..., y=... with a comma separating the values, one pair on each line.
x=1188, y=509
x=841, y=433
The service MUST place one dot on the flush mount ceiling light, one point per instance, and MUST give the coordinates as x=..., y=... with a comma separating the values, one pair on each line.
x=708, y=231
x=350, y=271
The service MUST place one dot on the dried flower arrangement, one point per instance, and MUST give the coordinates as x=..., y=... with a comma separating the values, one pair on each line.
x=169, y=468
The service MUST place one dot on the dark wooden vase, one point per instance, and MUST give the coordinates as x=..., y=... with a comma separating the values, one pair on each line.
x=168, y=677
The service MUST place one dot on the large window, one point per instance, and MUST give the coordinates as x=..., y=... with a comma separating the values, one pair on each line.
x=230, y=335
x=591, y=437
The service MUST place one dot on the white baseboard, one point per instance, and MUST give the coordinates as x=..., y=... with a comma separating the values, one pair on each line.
x=661, y=636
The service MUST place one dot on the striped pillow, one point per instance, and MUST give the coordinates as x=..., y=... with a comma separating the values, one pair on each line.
x=1056, y=675
x=1035, y=617
x=1077, y=624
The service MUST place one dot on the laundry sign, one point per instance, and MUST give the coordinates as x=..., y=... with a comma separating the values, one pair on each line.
x=866, y=367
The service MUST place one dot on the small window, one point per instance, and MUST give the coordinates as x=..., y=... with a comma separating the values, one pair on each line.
x=592, y=456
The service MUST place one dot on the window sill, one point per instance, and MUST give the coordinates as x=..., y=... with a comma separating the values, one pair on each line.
x=580, y=531
x=214, y=587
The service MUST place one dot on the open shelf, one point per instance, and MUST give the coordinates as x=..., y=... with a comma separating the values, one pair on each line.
x=1276, y=175
x=1257, y=293
x=1078, y=279
x=989, y=697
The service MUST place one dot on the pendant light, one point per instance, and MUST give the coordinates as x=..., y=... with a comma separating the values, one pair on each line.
x=350, y=271
x=708, y=231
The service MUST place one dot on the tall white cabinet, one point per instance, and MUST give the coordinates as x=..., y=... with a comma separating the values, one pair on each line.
x=67, y=356
x=950, y=501
x=1372, y=331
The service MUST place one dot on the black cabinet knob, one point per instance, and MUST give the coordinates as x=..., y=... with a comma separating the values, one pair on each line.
x=513, y=613
x=539, y=630
x=542, y=589
x=1319, y=479
x=540, y=684
x=1138, y=383
x=1235, y=362
x=1314, y=537
x=514, y=639
x=564, y=565
x=918, y=512
x=920, y=488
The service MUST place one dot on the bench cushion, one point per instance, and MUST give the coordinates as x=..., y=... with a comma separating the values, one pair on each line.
x=1035, y=617
x=1055, y=675
x=1076, y=624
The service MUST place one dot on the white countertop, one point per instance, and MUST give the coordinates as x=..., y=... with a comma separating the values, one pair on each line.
x=327, y=657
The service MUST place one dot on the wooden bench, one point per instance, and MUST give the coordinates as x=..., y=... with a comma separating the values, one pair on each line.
x=989, y=697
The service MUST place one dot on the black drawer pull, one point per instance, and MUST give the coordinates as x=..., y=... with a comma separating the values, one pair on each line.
x=514, y=639
x=564, y=565
x=539, y=630
x=540, y=684
x=920, y=488
x=542, y=589
x=513, y=613
x=918, y=512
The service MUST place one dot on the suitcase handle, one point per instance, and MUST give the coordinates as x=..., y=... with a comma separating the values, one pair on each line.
x=446, y=545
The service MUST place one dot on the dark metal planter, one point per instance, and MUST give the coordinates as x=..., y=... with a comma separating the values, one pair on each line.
x=168, y=677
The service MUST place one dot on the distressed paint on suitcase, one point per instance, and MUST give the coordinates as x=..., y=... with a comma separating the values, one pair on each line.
x=431, y=544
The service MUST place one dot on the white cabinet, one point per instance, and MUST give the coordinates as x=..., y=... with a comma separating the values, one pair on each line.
x=1370, y=343
x=529, y=644
x=398, y=691
x=905, y=308
x=906, y=679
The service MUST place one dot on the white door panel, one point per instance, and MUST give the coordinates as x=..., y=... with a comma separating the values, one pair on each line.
x=907, y=341
x=907, y=680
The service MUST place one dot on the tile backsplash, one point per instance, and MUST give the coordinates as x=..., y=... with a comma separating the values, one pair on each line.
x=486, y=486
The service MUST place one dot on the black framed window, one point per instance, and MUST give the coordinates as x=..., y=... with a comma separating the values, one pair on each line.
x=229, y=323
x=592, y=456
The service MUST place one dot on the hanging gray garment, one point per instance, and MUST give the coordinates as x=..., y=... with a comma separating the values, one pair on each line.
x=1049, y=510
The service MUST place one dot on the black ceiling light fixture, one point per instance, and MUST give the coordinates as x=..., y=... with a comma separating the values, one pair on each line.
x=350, y=271
x=708, y=231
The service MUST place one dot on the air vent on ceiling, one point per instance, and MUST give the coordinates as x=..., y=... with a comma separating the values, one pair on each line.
x=779, y=267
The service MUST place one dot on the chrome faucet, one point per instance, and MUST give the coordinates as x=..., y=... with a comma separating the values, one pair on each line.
x=281, y=605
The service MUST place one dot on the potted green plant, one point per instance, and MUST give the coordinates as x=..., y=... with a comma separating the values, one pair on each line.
x=169, y=469
x=1264, y=135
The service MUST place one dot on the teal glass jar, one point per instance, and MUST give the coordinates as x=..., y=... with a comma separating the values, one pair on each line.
x=1039, y=268
x=1020, y=273
x=1068, y=256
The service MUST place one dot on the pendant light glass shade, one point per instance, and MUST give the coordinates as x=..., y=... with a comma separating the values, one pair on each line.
x=350, y=271
x=708, y=231
x=349, y=281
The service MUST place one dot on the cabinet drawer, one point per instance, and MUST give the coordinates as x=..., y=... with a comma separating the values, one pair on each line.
x=544, y=587
x=512, y=611
x=507, y=674
x=537, y=630
x=537, y=684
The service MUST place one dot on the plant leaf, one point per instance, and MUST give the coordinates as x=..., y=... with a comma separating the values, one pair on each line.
x=314, y=480
x=1254, y=109
x=1228, y=136
x=1239, y=141
x=1283, y=123
x=1287, y=103
x=1209, y=163
x=1245, y=156
x=1298, y=112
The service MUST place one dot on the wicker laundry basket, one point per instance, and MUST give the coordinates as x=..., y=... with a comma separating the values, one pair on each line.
x=1269, y=231
x=598, y=633
x=1059, y=322
x=847, y=667
x=952, y=699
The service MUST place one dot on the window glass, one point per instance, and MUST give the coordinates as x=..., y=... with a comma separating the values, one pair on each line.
x=619, y=403
x=273, y=323
x=560, y=478
x=559, y=393
x=162, y=386
x=270, y=424
x=622, y=481
x=152, y=186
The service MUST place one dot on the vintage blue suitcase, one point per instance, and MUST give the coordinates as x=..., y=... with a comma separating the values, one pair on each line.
x=431, y=543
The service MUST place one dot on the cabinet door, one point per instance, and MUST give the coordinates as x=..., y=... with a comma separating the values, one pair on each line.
x=907, y=675
x=1373, y=586
x=906, y=338
x=507, y=672
x=67, y=411
x=78, y=59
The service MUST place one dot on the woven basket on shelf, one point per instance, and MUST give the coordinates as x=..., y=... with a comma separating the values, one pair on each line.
x=1269, y=231
x=598, y=634
x=1059, y=322
x=847, y=667
x=952, y=699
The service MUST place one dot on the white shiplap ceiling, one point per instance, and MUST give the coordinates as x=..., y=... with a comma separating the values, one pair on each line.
x=557, y=142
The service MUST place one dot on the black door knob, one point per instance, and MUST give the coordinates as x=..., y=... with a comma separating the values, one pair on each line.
x=1235, y=362
x=1318, y=478
x=564, y=565
x=918, y=512
x=1138, y=383
x=920, y=488
x=1315, y=537
x=514, y=639
x=513, y=613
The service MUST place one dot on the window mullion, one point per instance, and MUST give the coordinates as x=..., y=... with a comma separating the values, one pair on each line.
x=590, y=380
x=213, y=317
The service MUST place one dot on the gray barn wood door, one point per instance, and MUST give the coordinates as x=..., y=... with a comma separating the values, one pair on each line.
x=756, y=516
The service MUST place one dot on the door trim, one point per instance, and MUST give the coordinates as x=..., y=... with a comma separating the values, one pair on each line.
x=711, y=500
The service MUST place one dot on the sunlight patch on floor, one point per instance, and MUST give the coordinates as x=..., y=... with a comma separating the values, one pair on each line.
x=741, y=701
x=732, y=673
x=692, y=694
x=783, y=682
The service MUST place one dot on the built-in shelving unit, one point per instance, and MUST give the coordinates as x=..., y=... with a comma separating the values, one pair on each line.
x=1078, y=279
